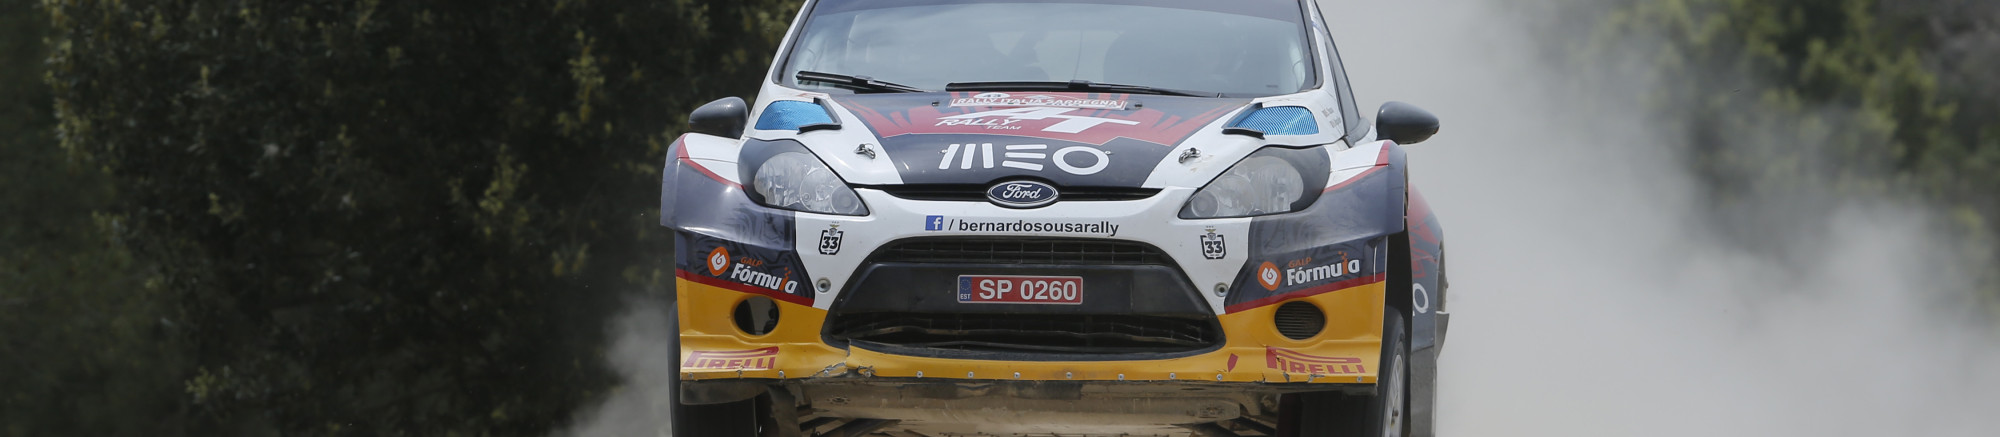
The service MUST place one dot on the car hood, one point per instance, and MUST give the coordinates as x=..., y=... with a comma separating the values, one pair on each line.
x=1071, y=139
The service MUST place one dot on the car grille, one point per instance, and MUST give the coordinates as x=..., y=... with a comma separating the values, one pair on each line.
x=1020, y=333
x=1150, y=309
x=977, y=193
x=1021, y=251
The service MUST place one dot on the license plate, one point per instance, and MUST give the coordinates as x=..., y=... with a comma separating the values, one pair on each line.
x=1044, y=290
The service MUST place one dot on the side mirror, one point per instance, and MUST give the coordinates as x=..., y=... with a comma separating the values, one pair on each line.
x=1405, y=123
x=723, y=118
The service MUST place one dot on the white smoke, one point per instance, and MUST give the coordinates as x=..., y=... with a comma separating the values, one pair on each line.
x=644, y=358
x=1595, y=295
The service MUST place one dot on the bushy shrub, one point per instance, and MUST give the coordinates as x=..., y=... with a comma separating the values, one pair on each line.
x=394, y=218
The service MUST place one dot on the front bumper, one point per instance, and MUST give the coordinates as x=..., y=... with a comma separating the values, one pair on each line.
x=733, y=251
x=714, y=348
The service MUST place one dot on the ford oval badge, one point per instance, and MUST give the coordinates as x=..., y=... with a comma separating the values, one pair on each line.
x=1022, y=194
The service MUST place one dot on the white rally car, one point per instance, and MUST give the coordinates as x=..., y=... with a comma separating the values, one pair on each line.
x=1054, y=217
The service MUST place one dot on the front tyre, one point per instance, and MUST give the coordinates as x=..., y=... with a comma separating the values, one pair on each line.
x=1384, y=413
x=731, y=419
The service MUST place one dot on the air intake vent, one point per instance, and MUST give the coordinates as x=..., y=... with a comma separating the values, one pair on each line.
x=1280, y=120
x=757, y=315
x=1299, y=320
x=796, y=115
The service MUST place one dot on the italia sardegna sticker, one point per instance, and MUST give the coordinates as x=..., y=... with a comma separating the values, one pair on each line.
x=1213, y=246
x=829, y=240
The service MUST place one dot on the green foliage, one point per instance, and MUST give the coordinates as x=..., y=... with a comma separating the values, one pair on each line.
x=392, y=218
x=1800, y=98
x=82, y=347
x=1813, y=75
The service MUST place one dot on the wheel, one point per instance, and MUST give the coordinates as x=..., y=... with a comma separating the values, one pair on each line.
x=732, y=419
x=1382, y=414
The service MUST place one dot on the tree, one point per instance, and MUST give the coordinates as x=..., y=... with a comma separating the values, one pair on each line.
x=82, y=349
x=1790, y=99
x=393, y=218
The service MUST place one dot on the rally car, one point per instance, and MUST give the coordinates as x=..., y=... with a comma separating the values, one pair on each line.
x=1053, y=217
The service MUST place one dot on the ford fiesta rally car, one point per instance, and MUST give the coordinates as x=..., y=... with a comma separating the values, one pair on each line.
x=1053, y=217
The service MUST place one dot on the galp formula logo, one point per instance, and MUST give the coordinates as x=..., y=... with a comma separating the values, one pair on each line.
x=1268, y=276
x=718, y=261
x=1304, y=272
x=750, y=271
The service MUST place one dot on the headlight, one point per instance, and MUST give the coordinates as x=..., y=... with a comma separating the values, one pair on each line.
x=1271, y=181
x=798, y=181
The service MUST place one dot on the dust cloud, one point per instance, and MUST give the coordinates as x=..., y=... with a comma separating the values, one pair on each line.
x=643, y=356
x=1598, y=294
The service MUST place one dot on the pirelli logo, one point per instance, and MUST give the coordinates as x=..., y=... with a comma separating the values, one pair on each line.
x=1290, y=361
x=756, y=359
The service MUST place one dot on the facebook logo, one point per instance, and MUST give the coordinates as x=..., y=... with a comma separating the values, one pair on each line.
x=934, y=223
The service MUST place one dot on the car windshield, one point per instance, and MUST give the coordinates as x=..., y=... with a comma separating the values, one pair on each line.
x=1236, y=48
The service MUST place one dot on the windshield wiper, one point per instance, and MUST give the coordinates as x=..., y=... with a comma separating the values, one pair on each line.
x=857, y=83
x=1074, y=85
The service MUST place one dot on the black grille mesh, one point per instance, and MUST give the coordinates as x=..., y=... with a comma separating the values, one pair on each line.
x=1102, y=334
x=1022, y=251
x=1299, y=320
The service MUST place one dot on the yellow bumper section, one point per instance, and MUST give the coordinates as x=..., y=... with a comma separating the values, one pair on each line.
x=1347, y=351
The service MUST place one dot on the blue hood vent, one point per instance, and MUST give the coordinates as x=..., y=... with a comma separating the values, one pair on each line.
x=1282, y=120
x=797, y=115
